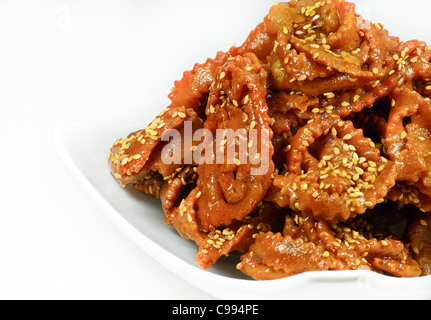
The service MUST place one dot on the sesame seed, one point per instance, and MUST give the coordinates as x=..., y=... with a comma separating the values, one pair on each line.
x=354, y=195
x=334, y=132
x=345, y=104
x=369, y=204
x=329, y=95
x=347, y=137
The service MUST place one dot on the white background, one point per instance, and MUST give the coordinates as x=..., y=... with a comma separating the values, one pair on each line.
x=98, y=62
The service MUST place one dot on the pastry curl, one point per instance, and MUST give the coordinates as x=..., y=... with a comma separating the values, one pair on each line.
x=133, y=159
x=334, y=173
x=310, y=245
x=179, y=197
x=325, y=48
x=420, y=237
x=240, y=235
x=273, y=256
x=237, y=102
x=195, y=84
x=411, y=193
x=408, y=136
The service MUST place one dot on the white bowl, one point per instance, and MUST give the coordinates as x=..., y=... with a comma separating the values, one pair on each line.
x=84, y=148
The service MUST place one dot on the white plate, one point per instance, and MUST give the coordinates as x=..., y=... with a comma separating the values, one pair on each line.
x=83, y=148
